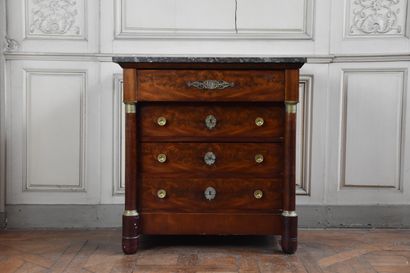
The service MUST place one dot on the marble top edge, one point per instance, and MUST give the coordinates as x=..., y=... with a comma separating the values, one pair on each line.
x=187, y=59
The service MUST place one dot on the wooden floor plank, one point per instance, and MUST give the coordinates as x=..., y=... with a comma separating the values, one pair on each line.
x=99, y=251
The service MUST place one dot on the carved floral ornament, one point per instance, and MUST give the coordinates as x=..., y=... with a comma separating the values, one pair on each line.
x=54, y=17
x=374, y=17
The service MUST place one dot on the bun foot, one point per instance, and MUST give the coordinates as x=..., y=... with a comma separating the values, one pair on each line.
x=130, y=232
x=289, y=232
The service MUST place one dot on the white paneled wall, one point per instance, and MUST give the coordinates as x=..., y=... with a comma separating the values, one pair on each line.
x=64, y=117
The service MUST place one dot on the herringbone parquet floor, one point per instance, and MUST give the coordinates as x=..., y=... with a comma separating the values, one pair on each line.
x=362, y=251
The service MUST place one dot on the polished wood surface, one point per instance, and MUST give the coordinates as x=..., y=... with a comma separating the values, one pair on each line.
x=99, y=251
x=196, y=127
x=199, y=223
x=232, y=120
x=232, y=194
x=187, y=159
x=172, y=85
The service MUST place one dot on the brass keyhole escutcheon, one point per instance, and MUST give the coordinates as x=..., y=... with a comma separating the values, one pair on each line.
x=161, y=121
x=258, y=194
x=259, y=121
x=210, y=193
x=161, y=158
x=210, y=122
x=258, y=158
x=161, y=193
x=209, y=158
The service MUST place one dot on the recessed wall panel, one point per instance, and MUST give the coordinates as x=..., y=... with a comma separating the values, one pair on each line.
x=55, y=130
x=372, y=128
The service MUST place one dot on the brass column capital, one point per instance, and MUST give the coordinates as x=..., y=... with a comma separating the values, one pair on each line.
x=130, y=108
x=287, y=213
x=130, y=213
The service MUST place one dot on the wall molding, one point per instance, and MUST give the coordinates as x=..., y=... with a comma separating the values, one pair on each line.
x=118, y=135
x=107, y=57
x=306, y=101
x=108, y=216
x=343, y=128
x=122, y=31
x=81, y=186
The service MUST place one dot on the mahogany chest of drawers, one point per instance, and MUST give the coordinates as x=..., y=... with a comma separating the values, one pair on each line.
x=210, y=147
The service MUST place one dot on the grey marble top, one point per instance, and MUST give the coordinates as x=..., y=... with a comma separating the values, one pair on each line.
x=188, y=59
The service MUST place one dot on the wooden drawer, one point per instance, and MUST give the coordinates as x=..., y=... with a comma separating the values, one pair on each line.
x=231, y=194
x=210, y=85
x=212, y=159
x=211, y=121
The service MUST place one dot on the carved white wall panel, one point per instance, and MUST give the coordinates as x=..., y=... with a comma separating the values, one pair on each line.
x=368, y=133
x=63, y=26
x=291, y=19
x=55, y=130
x=55, y=19
x=53, y=119
x=303, y=135
x=370, y=27
x=377, y=18
x=372, y=139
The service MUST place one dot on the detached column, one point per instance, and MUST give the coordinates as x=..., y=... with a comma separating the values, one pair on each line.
x=130, y=218
x=289, y=216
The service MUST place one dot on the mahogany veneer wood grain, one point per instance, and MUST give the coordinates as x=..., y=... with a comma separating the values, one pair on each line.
x=197, y=162
x=173, y=85
x=233, y=194
x=187, y=159
x=199, y=223
x=230, y=121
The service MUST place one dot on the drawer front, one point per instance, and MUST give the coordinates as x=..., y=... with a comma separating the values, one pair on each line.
x=212, y=159
x=212, y=121
x=222, y=195
x=210, y=85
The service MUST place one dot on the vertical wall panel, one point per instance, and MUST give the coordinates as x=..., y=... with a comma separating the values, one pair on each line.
x=372, y=115
x=55, y=130
x=368, y=128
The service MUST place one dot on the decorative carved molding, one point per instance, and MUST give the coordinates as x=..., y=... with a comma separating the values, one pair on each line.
x=10, y=44
x=53, y=18
x=375, y=17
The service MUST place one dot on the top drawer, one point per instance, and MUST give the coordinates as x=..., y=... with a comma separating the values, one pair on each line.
x=210, y=85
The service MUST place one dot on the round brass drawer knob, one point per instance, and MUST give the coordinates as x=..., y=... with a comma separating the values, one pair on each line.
x=161, y=194
x=258, y=194
x=161, y=158
x=161, y=121
x=259, y=158
x=259, y=121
